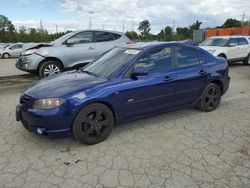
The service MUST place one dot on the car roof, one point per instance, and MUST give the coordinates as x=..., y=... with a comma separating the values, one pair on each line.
x=142, y=45
x=110, y=31
x=229, y=36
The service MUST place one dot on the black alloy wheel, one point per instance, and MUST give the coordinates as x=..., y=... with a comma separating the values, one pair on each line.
x=210, y=98
x=93, y=124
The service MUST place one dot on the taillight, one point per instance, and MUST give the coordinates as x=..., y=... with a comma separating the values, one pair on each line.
x=130, y=42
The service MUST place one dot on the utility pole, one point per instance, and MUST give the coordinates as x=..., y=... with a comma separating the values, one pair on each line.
x=90, y=19
x=243, y=18
x=102, y=26
x=41, y=25
x=123, y=27
x=56, y=29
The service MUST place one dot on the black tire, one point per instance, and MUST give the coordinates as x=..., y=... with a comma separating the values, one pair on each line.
x=247, y=60
x=210, y=98
x=93, y=124
x=44, y=68
x=6, y=55
x=222, y=55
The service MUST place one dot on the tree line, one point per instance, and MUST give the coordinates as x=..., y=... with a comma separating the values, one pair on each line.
x=181, y=33
x=8, y=32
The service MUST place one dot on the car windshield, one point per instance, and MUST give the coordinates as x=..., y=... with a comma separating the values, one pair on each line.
x=215, y=42
x=62, y=38
x=111, y=62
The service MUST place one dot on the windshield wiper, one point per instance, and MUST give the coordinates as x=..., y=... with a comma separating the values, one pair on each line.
x=90, y=73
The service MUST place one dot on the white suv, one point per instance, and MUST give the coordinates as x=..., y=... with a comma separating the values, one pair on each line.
x=233, y=48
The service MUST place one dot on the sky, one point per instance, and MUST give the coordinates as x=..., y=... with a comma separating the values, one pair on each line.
x=121, y=15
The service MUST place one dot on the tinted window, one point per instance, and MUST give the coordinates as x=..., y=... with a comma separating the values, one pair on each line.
x=215, y=42
x=105, y=36
x=242, y=41
x=233, y=41
x=187, y=57
x=17, y=46
x=111, y=62
x=159, y=60
x=83, y=37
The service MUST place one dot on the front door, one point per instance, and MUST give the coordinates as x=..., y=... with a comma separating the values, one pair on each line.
x=153, y=92
x=82, y=50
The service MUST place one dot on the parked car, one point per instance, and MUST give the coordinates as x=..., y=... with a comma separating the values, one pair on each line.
x=72, y=50
x=232, y=48
x=124, y=84
x=13, y=50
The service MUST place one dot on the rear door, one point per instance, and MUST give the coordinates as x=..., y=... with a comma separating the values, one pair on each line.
x=244, y=47
x=192, y=74
x=153, y=92
x=16, y=50
x=233, y=49
x=105, y=41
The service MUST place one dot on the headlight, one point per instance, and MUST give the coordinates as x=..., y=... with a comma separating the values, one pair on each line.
x=29, y=52
x=48, y=103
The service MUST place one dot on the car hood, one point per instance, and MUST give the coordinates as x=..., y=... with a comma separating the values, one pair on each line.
x=62, y=85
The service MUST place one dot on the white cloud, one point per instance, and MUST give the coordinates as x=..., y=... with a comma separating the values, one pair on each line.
x=112, y=14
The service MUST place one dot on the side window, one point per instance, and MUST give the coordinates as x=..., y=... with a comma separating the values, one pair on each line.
x=83, y=37
x=233, y=42
x=187, y=57
x=101, y=36
x=14, y=47
x=157, y=61
x=242, y=41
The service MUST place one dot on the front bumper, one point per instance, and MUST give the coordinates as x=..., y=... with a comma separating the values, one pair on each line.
x=54, y=122
x=29, y=63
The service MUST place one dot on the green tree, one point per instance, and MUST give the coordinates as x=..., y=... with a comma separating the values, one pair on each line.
x=182, y=33
x=6, y=25
x=132, y=35
x=144, y=28
x=231, y=23
x=169, y=33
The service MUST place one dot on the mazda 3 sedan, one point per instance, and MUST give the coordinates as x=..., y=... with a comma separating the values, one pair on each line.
x=126, y=83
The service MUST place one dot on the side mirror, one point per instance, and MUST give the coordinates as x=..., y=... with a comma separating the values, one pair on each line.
x=232, y=44
x=71, y=42
x=139, y=71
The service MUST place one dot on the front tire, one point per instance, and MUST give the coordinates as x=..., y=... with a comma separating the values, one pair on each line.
x=93, y=124
x=247, y=60
x=210, y=98
x=49, y=68
x=6, y=56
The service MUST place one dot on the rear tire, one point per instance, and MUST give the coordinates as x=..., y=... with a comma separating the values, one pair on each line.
x=93, y=124
x=6, y=56
x=49, y=68
x=210, y=98
x=247, y=60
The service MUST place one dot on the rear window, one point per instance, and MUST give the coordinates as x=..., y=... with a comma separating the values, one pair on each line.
x=101, y=36
x=188, y=57
x=242, y=41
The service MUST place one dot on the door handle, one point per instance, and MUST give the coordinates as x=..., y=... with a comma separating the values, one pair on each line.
x=168, y=79
x=202, y=72
x=91, y=48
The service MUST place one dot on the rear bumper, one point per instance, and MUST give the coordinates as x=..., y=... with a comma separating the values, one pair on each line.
x=226, y=84
x=53, y=123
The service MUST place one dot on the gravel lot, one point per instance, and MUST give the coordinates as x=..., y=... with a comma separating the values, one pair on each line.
x=185, y=148
x=8, y=68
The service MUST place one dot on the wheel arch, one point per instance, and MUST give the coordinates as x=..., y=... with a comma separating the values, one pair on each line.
x=109, y=105
x=222, y=55
x=6, y=53
x=219, y=83
x=52, y=59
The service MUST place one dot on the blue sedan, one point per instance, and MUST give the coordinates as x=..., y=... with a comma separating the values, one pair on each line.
x=124, y=84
